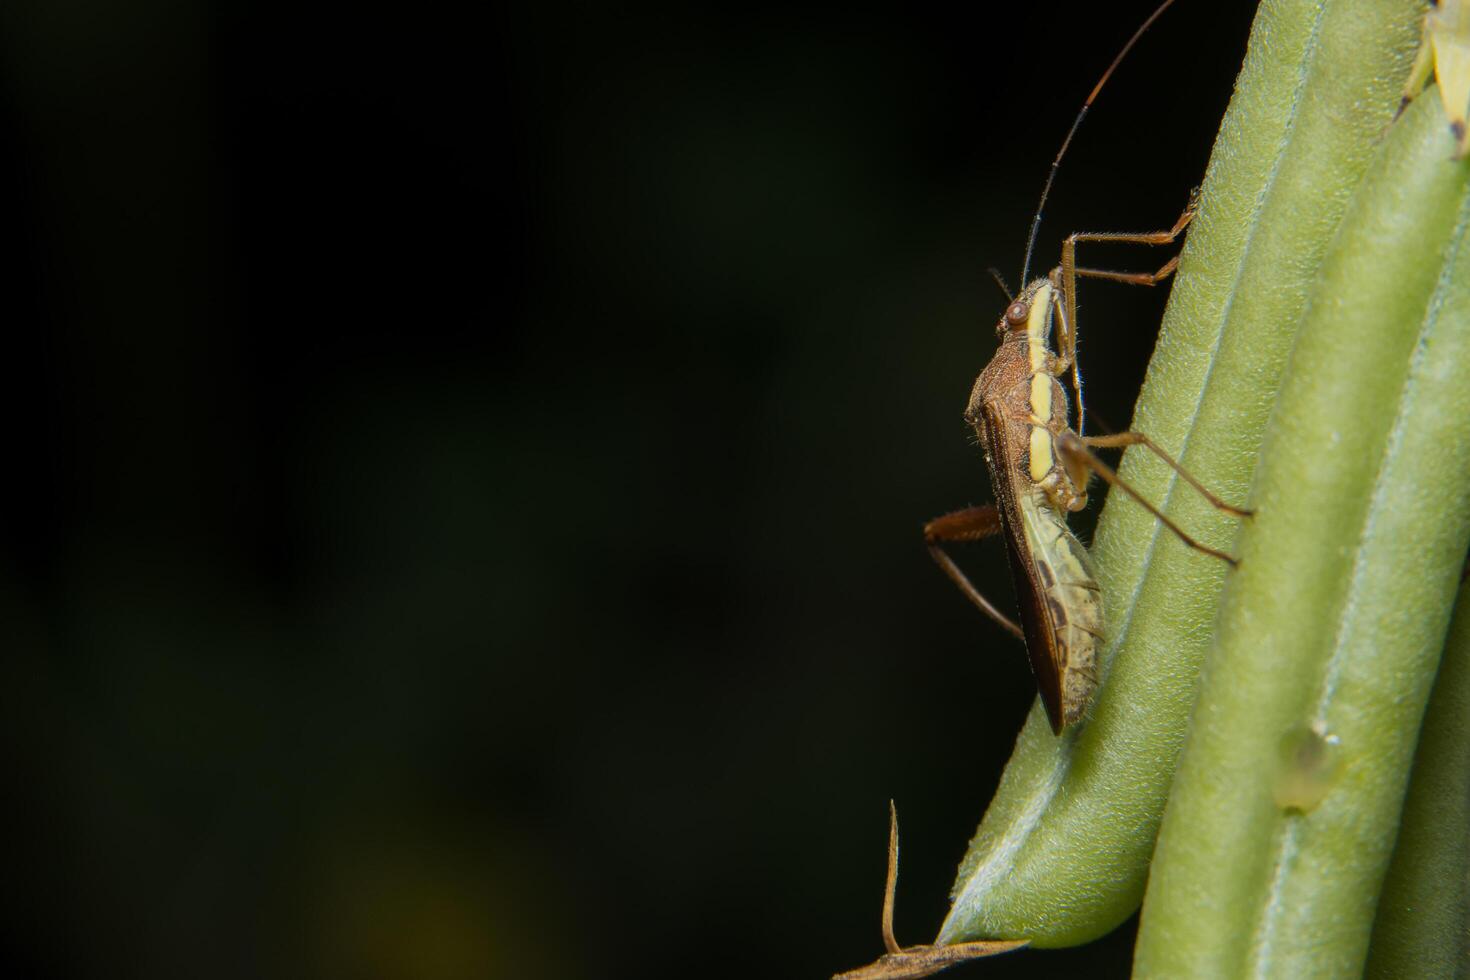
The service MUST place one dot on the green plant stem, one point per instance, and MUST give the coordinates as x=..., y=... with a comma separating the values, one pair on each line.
x=1334, y=620
x=1420, y=928
x=1063, y=850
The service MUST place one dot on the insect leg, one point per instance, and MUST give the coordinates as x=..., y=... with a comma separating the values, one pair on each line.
x=1422, y=68
x=1064, y=282
x=970, y=524
x=1070, y=271
x=1133, y=278
x=1442, y=55
x=1124, y=439
x=1078, y=456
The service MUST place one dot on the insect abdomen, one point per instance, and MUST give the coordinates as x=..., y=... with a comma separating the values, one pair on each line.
x=1069, y=592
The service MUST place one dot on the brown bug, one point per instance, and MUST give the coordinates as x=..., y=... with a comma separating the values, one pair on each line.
x=1040, y=466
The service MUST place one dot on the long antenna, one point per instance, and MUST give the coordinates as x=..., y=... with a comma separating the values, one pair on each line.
x=1051, y=174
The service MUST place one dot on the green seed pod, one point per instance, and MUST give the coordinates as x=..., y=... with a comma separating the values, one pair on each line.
x=1425, y=905
x=1334, y=622
x=1062, y=853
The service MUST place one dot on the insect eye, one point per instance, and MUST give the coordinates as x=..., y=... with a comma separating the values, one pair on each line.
x=1017, y=313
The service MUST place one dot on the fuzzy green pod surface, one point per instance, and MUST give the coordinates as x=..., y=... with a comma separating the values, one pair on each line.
x=1284, y=810
x=1062, y=853
x=1424, y=911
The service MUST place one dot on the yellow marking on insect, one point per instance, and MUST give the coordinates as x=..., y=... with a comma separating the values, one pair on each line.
x=1041, y=455
x=1038, y=329
x=1445, y=48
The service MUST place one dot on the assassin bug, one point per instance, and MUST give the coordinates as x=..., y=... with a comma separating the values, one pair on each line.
x=1040, y=466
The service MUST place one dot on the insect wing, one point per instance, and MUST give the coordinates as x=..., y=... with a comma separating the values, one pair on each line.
x=1069, y=596
x=1047, y=661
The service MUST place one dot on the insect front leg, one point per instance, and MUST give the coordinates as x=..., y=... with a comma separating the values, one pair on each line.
x=1070, y=270
x=1138, y=238
x=1064, y=284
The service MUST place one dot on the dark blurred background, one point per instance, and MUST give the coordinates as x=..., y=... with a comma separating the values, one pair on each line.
x=466, y=468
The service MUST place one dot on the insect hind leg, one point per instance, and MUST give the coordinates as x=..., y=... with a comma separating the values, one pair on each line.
x=970, y=524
